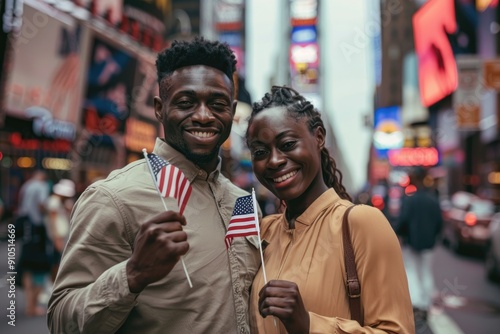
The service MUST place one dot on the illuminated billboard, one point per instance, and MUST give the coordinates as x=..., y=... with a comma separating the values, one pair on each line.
x=229, y=15
x=304, y=66
x=47, y=66
x=303, y=12
x=304, y=34
x=387, y=130
x=437, y=71
x=110, y=81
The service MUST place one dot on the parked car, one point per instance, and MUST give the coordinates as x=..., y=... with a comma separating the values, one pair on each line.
x=466, y=221
x=493, y=250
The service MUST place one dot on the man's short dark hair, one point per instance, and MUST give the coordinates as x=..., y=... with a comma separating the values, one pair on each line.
x=198, y=51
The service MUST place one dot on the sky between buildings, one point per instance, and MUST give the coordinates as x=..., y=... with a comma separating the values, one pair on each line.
x=347, y=69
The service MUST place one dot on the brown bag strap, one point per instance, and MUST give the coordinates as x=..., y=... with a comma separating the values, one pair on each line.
x=352, y=284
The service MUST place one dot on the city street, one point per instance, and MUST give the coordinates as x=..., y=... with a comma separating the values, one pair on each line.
x=108, y=108
x=472, y=302
x=468, y=303
x=23, y=324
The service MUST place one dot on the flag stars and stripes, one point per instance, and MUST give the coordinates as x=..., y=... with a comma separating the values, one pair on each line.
x=170, y=180
x=243, y=222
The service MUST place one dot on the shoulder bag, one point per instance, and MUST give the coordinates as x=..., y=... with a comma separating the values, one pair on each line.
x=352, y=284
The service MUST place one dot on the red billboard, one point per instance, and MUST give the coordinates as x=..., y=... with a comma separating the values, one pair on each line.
x=437, y=70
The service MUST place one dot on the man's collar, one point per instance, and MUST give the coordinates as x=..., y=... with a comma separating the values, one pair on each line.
x=189, y=168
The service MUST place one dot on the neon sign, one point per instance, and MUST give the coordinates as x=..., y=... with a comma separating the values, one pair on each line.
x=57, y=145
x=415, y=156
x=45, y=125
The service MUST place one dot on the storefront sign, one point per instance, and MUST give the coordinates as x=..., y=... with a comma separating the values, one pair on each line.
x=18, y=142
x=45, y=126
x=139, y=135
x=491, y=74
x=467, y=97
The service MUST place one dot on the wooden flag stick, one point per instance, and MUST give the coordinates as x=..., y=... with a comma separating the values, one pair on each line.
x=254, y=200
x=257, y=225
x=165, y=206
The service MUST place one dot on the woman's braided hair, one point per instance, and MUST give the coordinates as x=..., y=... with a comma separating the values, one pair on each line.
x=298, y=107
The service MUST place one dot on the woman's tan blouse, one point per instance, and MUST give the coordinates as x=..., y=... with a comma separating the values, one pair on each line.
x=311, y=255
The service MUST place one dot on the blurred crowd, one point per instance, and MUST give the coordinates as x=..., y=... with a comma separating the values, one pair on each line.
x=42, y=228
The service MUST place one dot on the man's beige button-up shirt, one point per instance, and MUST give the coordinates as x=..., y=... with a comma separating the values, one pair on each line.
x=91, y=293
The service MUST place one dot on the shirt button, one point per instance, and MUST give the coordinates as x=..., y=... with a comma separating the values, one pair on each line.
x=200, y=172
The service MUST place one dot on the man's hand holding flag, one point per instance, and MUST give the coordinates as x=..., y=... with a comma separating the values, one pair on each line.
x=170, y=182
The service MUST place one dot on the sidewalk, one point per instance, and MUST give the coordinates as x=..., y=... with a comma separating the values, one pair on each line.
x=9, y=294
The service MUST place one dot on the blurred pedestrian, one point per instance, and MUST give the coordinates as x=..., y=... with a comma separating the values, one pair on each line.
x=304, y=254
x=34, y=263
x=58, y=210
x=120, y=271
x=419, y=224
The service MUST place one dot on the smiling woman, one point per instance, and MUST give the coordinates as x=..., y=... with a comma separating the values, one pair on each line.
x=291, y=129
x=304, y=255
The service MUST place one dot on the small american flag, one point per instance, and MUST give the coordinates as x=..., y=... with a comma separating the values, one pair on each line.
x=242, y=221
x=170, y=180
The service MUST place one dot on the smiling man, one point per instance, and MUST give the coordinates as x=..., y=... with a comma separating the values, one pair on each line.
x=120, y=271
